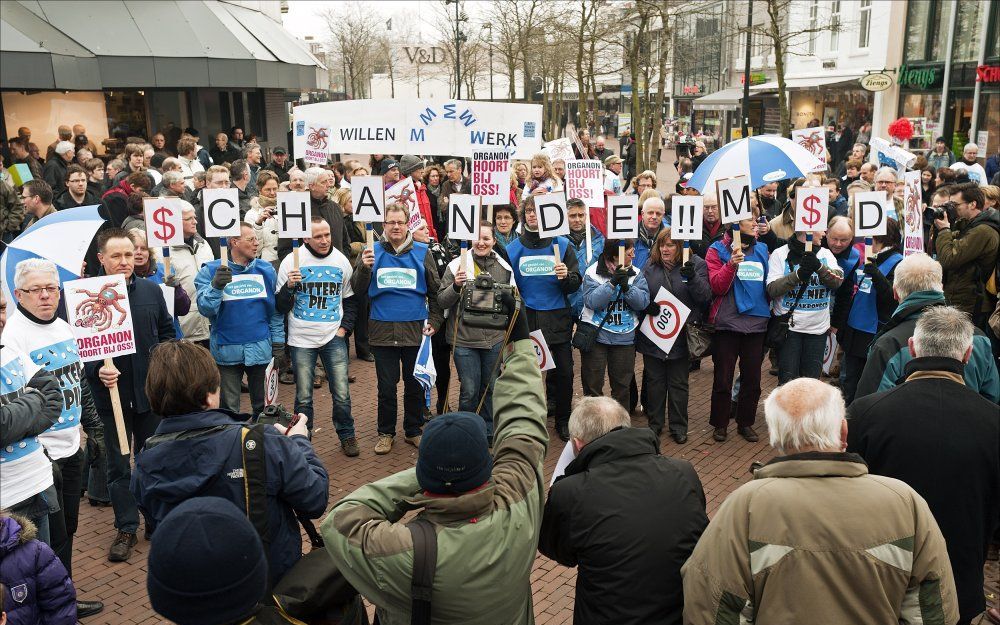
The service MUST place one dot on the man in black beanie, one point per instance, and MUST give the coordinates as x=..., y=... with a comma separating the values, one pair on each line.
x=485, y=510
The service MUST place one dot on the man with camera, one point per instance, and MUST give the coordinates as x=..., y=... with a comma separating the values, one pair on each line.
x=321, y=309
x=467, y=557
x=475, y=329
x=546, y=282
x=401, y=279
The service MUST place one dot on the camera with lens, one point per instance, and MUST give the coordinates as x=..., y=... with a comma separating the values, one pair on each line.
x=275, y=414
x=482, y=303
x=946, y=209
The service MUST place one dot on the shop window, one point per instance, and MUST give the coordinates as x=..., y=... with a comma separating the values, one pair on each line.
x=993, y=43
x=835, y=26
x=927, y=30
x=967, y=29
x=924, y=111
x=864, y=26
x=126, y=117
x=813, y=24
x=941, y=21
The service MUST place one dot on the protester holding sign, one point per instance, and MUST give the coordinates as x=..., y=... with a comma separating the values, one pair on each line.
x=666, y=375
x=318, y=182
x=34, y=330
x=321, y=309
x=545, y=282
x=186, y=260
x=476, y=349
x=801, y=281
x=613, y=297
x=401, y=280
x=246, y=330
x=740, y=311
x=576, y=213
x=650, y=227
x=147, y=266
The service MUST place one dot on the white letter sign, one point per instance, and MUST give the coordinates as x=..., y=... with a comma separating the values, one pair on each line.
x=222, y=212
x=100, y=317
x=294, y=214
x=491, y=177
x=664, y=328
x=463, y=217
x=870, y=214
x=623, y=217
x=585, y=181
x=368, y=199
x=164, y=223
x=686, y=216
x=734, y=199
x=550, y=209
x=812, y=207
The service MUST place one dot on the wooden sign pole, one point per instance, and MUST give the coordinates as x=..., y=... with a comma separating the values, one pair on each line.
x=116, y=408
x=224, y=251
x=295, y=254
x=687, y=251
x=166, y=262
x=737, y=241
x=809, y=241
x=868, y=248
x=369, y=236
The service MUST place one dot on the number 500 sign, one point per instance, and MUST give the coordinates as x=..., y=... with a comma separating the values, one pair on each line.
x=664, y=328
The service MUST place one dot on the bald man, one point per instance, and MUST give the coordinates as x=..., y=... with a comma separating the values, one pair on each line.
x=802, y=551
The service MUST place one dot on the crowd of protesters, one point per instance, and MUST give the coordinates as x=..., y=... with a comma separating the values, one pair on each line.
x=862, y=496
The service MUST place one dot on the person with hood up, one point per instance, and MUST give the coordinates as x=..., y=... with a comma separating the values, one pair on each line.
x=37, y=588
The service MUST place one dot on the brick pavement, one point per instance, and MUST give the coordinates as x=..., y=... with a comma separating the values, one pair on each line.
x=722, y=467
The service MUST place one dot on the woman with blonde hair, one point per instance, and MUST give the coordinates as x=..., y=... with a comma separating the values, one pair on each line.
x=261, y=215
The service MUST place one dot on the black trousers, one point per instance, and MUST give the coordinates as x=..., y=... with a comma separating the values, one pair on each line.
x=666, y=387
x=138, y=427
x=361, y=325
x=442, y=364
x=388, y=361
x=67, y=475
x=559, y=382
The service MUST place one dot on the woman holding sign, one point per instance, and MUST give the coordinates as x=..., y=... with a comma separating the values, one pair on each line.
x=740, y=312
x=667, y=374
x=613, y=298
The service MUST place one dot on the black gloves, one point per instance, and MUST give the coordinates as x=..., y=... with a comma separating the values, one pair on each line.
x=687, y=270
x=223, y=276
x=653, y=310
x=94, y=450
x=879, y=280
x=620, y=279
x=170, y=280
x=277, y=351
x=871, y=269
x=808, y=265
x=510, y=306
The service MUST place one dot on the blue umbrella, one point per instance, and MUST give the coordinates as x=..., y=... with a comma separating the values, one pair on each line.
x=62, y=237
x=767, y=158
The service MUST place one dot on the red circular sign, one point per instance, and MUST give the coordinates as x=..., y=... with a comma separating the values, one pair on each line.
x=676, y=316
x=540, y=352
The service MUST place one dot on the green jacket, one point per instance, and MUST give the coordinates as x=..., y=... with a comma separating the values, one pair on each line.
x=486, y=538
x=968, y=257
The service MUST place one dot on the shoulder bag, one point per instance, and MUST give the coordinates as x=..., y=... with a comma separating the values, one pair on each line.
x=777, y=325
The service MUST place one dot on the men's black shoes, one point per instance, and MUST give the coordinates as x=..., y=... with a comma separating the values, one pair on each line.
x=88, y=608
x=749, y=434
x=562, y=429
x=121, y=549
x=679, y=437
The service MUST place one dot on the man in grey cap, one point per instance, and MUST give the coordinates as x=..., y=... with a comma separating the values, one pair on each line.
x=279, y=164
x=55, y=167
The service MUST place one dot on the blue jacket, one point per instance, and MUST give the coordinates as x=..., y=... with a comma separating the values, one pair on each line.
x=597, y=295
x=175, y=466
x=596, y=247
x=37, y=588
x=209, y=301
x=890, y=351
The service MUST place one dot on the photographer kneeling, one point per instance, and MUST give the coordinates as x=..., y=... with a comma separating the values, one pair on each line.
x=479, y=515
x=198, y=451
x=476, y=348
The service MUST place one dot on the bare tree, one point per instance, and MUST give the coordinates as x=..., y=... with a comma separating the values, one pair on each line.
x=354, y=31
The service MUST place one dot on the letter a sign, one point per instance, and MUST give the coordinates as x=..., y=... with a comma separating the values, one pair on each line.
x=463, y=217
x=368, y=199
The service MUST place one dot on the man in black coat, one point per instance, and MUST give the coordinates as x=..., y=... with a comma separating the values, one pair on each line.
x=943, y=439
x=627, y=516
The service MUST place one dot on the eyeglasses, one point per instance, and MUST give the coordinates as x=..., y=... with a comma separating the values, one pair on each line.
x=252, y=239
x=26, y=196
x=394, y=224
x=38, y=290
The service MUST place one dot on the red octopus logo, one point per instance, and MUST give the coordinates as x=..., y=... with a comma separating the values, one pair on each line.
x=812, y=142
x=95, y=311
x=317, y=138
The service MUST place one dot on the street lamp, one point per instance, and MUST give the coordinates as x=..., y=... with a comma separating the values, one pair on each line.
x=489, y=43
x=459, y=38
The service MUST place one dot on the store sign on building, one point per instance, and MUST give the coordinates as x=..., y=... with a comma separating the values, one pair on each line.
x=419, y=55
x=876, y=82
x=988, y=73
x=921, y=77
x=692, y=89
x=756, y=78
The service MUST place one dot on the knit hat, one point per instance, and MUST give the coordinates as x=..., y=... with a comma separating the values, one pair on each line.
x=63, y=146
x=386, y=165
x=206, y=564
x=157, y=161
x=454, y=454
x=409, y=164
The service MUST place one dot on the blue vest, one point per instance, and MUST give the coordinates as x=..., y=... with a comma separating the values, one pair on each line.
x=864, y=308
x=848, y=264
x=247, y=304
x=534, y=274
x=398, y=287
x=751, y=275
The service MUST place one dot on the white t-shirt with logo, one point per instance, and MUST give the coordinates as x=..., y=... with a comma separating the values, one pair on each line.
x=318, y=309
x=975, y=172
x=52, y=347
x=812, y=315
x=24, y=469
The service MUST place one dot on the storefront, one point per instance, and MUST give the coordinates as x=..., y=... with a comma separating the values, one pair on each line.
x=828, y=100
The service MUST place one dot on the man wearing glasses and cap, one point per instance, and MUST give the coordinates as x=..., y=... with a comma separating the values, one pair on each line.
x=280, y=164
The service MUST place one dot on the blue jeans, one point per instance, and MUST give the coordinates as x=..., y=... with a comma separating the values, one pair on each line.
x=334, y=356
x=476, y=377
x=801, y=356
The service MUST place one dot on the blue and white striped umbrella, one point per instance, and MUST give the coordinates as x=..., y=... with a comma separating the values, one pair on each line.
x=62, y=237
x=767, y=158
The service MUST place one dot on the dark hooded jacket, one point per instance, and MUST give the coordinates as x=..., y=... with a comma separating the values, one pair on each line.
x=37, y=588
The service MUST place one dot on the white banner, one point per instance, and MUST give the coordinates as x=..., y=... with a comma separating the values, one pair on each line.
x=294, y=214
x=222, y=212
x=164, y=222
x=368, y=199
x=663, y=329
x=814, y=141
x=491, y=177
x=812, y=206
x=687, y=214
x=585, y=181
x=545, y=361
x=100, y=317
x=428, y=127
x=913, y=214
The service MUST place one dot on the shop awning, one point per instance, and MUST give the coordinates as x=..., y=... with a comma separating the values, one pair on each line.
x=808, y=82
x=724, y=100
x=36, y=55
x=162, y=44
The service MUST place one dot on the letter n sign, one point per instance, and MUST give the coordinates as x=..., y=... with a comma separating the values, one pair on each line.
x=463, y=217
